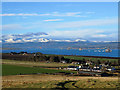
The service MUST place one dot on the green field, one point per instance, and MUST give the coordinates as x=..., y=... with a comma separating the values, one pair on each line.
x=30, y=63
x=16, y=70
x=86, y=58
x=90, y=58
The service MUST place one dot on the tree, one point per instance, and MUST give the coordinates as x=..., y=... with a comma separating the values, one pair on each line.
x=98, y=62
x=103, y=69
x=118, y=62
x=83, y=61
x=52, y=58
x=109, y=63
x=103, y=61
x=70, y=61
x=39, y=57
x=38, y=53
x=55, y=58
x=114, y=63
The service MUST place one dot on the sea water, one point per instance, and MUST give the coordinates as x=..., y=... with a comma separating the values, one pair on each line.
x=84, y=52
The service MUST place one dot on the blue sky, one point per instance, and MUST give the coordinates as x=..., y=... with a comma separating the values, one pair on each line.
x=88, y=20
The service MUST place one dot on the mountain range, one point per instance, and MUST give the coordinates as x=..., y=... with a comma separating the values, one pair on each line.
x=39, y=37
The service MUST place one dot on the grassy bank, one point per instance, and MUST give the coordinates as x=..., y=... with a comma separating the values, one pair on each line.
x=58, y=81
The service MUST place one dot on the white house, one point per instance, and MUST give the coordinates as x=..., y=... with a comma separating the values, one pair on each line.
x=72, y=68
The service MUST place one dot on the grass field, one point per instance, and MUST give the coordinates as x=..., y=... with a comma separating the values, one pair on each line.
x=87, y=58
x=90, y=58
x=16, y=70
x=29, y=63
x=58, y=81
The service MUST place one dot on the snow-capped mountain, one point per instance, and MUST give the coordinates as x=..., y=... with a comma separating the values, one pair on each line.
x=34, y=37
x=38, y=37
x=77, y=40
x=29, y=37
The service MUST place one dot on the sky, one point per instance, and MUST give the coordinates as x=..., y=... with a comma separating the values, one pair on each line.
x=88, y=20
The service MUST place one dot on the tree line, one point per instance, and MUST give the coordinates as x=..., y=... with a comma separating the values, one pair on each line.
x=38, y=57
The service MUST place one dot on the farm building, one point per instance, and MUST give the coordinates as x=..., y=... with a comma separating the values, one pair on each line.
x=72, y=68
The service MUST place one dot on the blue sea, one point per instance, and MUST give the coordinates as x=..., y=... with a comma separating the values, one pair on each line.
x=84, y=52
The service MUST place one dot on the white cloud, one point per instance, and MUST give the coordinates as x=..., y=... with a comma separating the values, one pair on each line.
x=63, y=25
x=20, y=14
x=74, y=33
x=99, y=35
x=74, y=14
x=88, y=34
x=47, y=14
x=8, y=14
x=84, y=23
x=75, y=24
x=53, y=20
x=53, y=29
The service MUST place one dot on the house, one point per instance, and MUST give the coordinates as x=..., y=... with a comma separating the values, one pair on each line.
x=23, y=53
x=72, y=68
x=88, y=68
x=80, y=66
x=103, y=65
x=88, y=63
x=110, y=68
x=96, y=70
x=76, y=62
x=63, y=61
x=85, y=68
x=96, y=67
x=117, y=70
